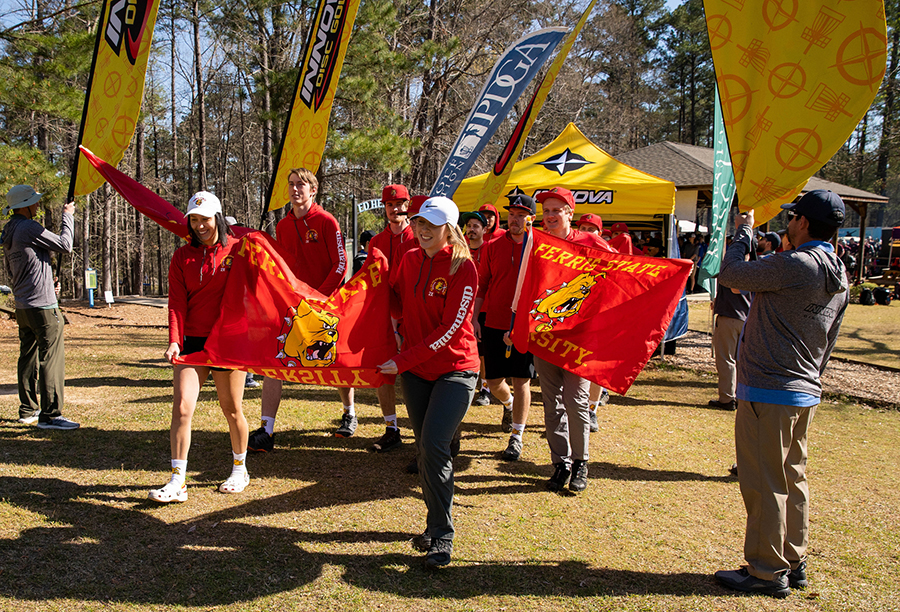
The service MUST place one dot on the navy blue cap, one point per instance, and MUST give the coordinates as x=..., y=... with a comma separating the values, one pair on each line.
x=819, y=205
x=520, y=200
x=472, y=214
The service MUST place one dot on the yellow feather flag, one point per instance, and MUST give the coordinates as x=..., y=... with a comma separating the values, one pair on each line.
x=305, y=133
x=503, y=167
x=115, y=87
x=795, y=77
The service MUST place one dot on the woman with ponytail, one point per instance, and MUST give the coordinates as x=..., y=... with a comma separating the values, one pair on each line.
x=435, y=287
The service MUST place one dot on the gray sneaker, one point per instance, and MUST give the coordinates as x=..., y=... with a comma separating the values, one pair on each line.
x=58, y=423
x=513, y=450
x=29, y=420
x=506, y=422
x=742, y=580
x=595, y=426
x=348, y=426
x=604, y=397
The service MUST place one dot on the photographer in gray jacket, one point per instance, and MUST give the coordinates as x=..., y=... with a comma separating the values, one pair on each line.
x=799, y=301
x=42, y=361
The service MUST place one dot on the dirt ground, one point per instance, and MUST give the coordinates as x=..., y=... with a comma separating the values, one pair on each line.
x=862, y=383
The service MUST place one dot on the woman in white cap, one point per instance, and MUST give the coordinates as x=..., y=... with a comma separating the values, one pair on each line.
x=197, y=277
x=435, y=287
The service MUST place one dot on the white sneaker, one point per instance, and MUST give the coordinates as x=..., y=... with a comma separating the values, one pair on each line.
x=171, y=492
x=236, y=483
x=29, y=420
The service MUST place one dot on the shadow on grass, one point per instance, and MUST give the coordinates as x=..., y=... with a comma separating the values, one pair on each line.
x=118, y=381
x=102, y=548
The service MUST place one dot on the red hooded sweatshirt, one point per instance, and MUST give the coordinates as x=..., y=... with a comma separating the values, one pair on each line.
x=438, y=337
x=498, y=231
x=393, y=245
x=197, y=277
x=315, y=240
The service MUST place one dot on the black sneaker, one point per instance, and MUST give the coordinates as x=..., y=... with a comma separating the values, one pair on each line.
x=58, y=423
x=595, y=426
x=732, y=405
x=482, y=398
x=413, y=466
x=560, y=477
x=579, y=475
x=422, y=542
x=455, y=443
x=348, y=426
x=741, y=580
x=513, y=450
x=604, y=398
x=439, y=553
x=733, y=470
x=797, y=577
x=261, y=442
x=390, y=439
x=506, y=422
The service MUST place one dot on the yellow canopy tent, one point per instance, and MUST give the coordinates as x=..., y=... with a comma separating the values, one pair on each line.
x=600, y=183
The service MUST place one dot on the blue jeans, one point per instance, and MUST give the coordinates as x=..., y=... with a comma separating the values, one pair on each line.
x=436, y=408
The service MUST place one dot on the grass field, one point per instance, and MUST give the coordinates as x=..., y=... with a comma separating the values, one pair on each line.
x=868, y=333
x=325, y=525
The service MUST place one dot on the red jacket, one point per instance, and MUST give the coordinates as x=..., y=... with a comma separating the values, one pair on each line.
x=315, y=240
x=589, y=239
x=498, y=231
x=197, y=277
x=622, y=244
x=438, y=337
x=389, y=243
x=497, y=280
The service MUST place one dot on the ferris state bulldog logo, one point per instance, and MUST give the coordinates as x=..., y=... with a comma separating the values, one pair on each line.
x=312, y=236
x=309, y=337
x=562, y=301
x=438, y=287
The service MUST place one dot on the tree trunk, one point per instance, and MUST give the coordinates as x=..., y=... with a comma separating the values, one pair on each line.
x=106, y=240
x=137, y=283
x=201, y=105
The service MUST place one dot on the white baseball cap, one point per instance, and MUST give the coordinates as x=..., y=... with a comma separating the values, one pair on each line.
x=438, y=211
x=20, y=196
x=205, y=204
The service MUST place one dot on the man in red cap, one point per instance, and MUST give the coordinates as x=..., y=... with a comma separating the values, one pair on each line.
x=590, y=223
x=496, y=287
x=565, y=395
x=393, y=241
x=493, y=230
x=621, y=239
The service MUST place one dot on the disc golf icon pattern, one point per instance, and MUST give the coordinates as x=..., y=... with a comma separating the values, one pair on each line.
x=795, y=78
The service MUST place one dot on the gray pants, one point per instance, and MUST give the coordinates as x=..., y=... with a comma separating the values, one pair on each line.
x=42, y=362
x=725, y=342
x=567, y=419
x=436, y=408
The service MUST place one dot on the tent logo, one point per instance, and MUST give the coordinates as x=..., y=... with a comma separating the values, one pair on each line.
x=564, y=162
x=586, y=196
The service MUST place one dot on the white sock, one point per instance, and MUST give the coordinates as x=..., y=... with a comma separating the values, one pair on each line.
x=179, y=469
x=593, y=406
x=240, y=464
x=269, y=424
x=349, y=410
x=484, y=387
x=391, y=421
x=507, y=405
x=517, y=430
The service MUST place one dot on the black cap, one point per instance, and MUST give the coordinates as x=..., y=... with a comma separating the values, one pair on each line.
x=819, y=205
x=520, y=200
x=472, y=214
x=773, y=238
x=366, y=236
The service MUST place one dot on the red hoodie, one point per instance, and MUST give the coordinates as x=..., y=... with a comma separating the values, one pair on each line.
x=438, y=337
x=315, y=240
x=497, y=276
x=393, y=245
x=197, y=277
x=498, y=231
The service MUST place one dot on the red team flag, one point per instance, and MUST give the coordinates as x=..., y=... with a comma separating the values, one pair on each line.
x=597, y=314
x=275, y=325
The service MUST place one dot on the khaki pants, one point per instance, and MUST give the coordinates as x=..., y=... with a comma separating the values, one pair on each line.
x=42, y=362
x=567, y=419
x=725, y=342
x=771, y=455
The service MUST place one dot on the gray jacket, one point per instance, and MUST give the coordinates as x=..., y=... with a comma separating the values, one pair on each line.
x=799, y=302
x=26, y=247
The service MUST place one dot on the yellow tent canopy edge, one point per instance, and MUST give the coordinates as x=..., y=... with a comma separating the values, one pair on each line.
x=601, y=184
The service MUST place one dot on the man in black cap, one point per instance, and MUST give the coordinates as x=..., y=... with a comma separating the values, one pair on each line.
x=497, y=274
x=798, y=304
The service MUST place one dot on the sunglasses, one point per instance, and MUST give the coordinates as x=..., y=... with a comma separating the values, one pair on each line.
x=792, y=214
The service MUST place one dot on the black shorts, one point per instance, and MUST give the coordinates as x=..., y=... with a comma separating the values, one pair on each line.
x=481, y=317
x=195, y=344
x=497, y=364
